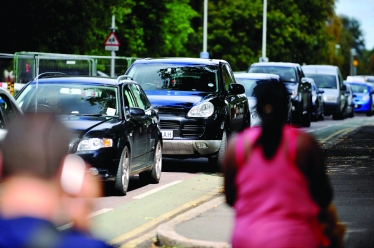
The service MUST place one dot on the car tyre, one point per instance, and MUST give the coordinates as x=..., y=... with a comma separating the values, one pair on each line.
x=216, y=160
x=123, y=173
x=154, y=175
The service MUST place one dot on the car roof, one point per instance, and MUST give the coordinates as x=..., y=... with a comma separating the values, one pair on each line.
x=284, y=64
x=179, y=60
x=320, y=69
x=79, y=79
x=256, y=75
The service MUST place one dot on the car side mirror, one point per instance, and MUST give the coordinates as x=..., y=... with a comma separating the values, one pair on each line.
x=236, y=89
x=354, y=95
x=137, y=111
x=321, y=91
x=344, y=88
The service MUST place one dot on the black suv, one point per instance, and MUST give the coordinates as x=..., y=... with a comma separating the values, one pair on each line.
x=198, y=101
x=300, y=89
x=114, y=127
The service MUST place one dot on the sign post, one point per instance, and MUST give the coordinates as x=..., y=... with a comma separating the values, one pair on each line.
x=112, y=44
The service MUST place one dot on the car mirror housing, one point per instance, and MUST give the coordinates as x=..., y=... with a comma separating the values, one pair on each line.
x=344, y=87
x=137, y=111
x=236, y=89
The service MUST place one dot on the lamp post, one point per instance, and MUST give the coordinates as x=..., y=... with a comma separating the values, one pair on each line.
x=204, y=54
x=337, y=47
x=264, y=58
x=353, y=53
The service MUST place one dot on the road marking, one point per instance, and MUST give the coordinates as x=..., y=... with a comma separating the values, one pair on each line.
x=101, y=211
x=343, y=131
x=163, y=218
x=70, y=224
x=156, y=189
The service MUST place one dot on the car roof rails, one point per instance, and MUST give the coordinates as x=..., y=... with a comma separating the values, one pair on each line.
x=50, y=74
x=124, y=77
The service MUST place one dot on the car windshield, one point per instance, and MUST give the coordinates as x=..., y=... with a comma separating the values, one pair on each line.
x=175, y=77
x=75, y=99
x=286, y=74
x=359, y=88
x=324, y=81
x=248, y=84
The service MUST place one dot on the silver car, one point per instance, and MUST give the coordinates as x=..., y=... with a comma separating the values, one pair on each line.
x=249, y=81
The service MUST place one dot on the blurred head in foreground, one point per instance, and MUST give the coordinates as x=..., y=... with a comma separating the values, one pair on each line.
x=35, y=146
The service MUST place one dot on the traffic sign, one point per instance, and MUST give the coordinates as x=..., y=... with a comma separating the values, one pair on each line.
x=112, y=43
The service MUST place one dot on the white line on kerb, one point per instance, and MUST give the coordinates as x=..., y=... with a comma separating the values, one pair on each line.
x=156, y=189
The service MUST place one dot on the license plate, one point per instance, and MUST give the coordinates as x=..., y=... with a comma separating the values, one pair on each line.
x=167, y=134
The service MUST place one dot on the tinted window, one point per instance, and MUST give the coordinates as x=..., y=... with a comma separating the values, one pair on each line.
x=324, y=81
x=70, y=98
x=140, y=97
x=248, y=84
x=175, y=77
x=287, y=74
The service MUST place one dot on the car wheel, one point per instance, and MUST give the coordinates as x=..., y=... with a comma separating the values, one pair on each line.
x=123, y=172
x=154, y=175
x=216, y=160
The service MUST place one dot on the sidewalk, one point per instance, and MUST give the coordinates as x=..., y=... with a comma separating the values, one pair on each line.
x=210, y=224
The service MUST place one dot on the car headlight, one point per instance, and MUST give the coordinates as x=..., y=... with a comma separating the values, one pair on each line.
x=330, y=98
x=365, y=98
x=205, y=109
x=94, y=144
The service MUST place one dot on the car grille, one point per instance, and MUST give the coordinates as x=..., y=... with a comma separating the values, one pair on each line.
x=187, y=129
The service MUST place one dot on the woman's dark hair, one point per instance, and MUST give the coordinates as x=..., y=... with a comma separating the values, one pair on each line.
x=272, y=106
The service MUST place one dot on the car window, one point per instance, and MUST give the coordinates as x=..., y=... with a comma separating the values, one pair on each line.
x=358, y=88
x=226, y=77
x=286, y=74
x=324, y=81
x=184, y=77
x=72, y=98
x=248, y=84
x=140, y=97
x=129, y=100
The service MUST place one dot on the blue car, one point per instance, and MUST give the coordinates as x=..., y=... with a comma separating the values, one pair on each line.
x=363, y=97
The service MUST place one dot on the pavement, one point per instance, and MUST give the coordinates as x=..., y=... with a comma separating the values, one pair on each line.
x=209, y=225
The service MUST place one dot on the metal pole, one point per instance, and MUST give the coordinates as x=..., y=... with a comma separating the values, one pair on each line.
x=264, y=30
x=112, y=64
x=205, y=26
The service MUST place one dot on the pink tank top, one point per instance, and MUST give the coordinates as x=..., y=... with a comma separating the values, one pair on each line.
x=273, y=205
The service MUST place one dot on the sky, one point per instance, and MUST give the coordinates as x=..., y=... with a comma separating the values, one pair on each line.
x=362, y=11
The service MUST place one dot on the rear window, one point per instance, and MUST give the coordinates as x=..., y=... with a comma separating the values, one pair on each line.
x=286, y=74
x=175, y=77
x=324, y=81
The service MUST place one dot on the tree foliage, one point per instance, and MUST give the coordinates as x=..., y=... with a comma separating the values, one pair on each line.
x=301, y=31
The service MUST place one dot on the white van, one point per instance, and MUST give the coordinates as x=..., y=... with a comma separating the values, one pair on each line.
x=330, y=80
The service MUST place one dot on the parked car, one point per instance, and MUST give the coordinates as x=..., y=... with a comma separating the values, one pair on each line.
x=114, y=127
x=249, y=81
x=317, y=101
x=198, y=101
x=301, y=91
x=8, y=110
x=329, y=79
x=363, y=97
x=350, y=102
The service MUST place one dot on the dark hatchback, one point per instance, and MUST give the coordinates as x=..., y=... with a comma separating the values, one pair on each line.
x=115, y=129
x=198, y=101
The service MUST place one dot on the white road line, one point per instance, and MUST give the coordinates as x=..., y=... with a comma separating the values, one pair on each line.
x=156, y=189
x=70, y=224
x=101, y=211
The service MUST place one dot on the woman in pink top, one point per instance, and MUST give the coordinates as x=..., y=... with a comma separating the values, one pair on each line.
x=275, y=179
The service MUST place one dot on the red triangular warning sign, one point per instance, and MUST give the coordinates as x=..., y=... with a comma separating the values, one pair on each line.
x=112, y=40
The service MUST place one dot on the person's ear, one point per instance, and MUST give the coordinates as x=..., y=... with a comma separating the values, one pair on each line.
x=72, y=174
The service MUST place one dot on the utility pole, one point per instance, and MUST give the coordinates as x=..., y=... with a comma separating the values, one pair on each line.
x=264, y=18
x=204, y=54
x=112, y=44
